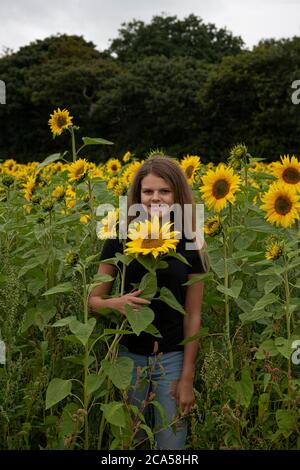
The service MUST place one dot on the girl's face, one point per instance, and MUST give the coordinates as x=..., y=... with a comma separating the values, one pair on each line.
x=156, y=194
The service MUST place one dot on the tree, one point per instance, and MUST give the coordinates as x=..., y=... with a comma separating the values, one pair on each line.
x=153, y=103
x=248, y=98
x=61, y=71
x=171, y=37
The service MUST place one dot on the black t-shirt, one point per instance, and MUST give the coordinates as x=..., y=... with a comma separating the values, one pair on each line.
x=168, y=321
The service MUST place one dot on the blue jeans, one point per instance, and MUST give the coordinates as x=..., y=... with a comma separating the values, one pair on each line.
x=159, y=374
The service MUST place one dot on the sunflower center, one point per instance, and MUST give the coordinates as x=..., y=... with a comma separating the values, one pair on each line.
x=291, y=176
x=283, y=205
x=61, y=121
x=150, y=243
x=220, y=189
x=189, y=171
x=213, y=225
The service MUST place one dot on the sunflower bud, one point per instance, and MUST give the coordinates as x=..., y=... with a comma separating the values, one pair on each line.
x=47, y=204
x=36, y=198
x=213, y=226
x=238, y=155
x=8, y=180
x=59, y=193
x=71, y=258
x=274, y=248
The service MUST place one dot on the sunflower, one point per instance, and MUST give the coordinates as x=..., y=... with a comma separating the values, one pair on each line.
x=58, y=193
x=9, y=164
x=274, y=248
x=113, y=182
x=238, y=155
x=59, y=121
x=281, y=204
x=130, y=171
x=121, y=188
x=127, y=157
x=190, y=165
x=84, y=218
x=113, y=166
x=28, y=187
x=219, y=187
x=288, y=171
x=107, y=227
x=161, y=239
x=213, y=226
x=98, y=172
x=78, y=170
x=70, y=197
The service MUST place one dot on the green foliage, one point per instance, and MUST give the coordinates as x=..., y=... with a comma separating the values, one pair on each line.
x=171, y=37
x=58, y=389
x=62, y=71
x=249, y=96
x=181, y=85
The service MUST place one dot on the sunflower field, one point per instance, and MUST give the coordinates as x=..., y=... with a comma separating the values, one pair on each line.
x=61, y=386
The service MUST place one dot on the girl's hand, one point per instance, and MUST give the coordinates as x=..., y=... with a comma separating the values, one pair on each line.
x=131, y=299
x=185, y=396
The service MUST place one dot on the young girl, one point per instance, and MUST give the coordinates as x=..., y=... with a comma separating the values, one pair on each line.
x=159, y=183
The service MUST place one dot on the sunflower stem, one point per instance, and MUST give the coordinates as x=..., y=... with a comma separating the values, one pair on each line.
x=288, y=325
x=227, y=310
x=246, y=183
x=50, y=246
x=112, y=353
x=93, y=235
x=74, y=153
x=86, y=396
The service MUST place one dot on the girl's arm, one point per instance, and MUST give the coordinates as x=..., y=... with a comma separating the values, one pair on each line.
x=97, y=300
x=192, y=323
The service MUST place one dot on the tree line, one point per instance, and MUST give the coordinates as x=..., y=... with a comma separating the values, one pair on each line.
x=179, y=85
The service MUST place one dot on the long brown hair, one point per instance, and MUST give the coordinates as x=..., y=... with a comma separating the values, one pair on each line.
x=167, y=168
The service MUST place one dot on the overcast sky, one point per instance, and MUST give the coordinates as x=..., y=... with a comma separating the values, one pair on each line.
x=23, y=21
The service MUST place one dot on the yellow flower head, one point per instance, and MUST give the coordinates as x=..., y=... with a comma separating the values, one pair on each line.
x=29, y=187
x=58, y=193
x=78, y=170
x=97, y=172
x=219, y=187
x=281, y=204
x=190, y=165
x=127, y=157
x=70, y=197
x=149, y=237
x=288, y=171
x=274, y=248
x=120, y=189
x=113, y=166
x=85, y=218
x=213, y=226
x=9, y=164
x=130, y=171
x=113, y=182
x=59, y=121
